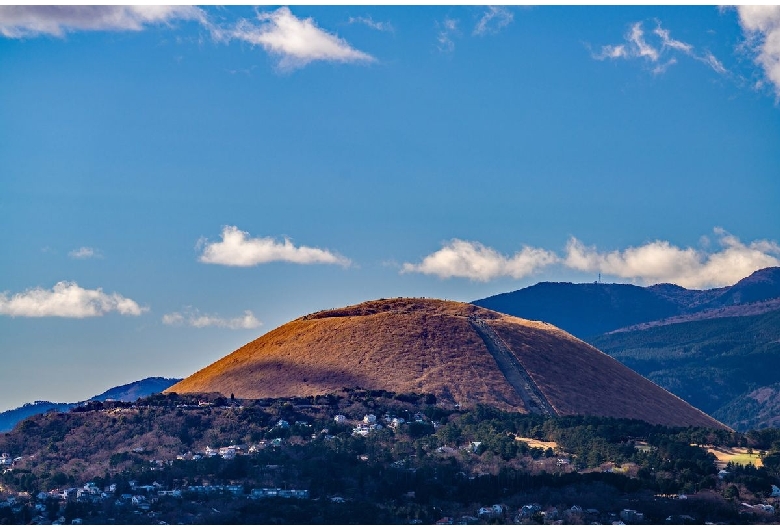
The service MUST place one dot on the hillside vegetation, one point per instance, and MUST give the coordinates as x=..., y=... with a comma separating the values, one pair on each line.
x=443, y=462
x=708, y=363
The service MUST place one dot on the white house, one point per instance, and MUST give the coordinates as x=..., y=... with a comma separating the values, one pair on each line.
x=361, y=430
x=340, y=418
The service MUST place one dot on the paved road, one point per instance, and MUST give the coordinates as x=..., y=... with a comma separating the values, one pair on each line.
x=513, y=370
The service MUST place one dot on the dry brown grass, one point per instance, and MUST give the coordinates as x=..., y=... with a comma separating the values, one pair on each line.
x=540, y=444
x=577, y=378
x=428, y=346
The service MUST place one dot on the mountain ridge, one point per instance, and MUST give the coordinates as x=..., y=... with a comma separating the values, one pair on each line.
x=591, y=309
x=127, y=392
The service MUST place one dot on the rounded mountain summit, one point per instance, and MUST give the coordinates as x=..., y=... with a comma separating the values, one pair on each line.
x=459, y=352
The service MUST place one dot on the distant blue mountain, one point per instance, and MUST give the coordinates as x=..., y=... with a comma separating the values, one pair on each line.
x=128, y=392
x=138, y=389
x=589, y=309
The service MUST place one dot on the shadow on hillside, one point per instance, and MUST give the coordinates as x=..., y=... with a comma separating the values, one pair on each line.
x=279, y=379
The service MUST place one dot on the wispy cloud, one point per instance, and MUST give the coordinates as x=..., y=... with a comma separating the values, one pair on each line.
x=85, y=253
x=761, y=25
x=653, y=262
x=658, y=49
x=475, y=261
x=67, y=299
x=237, y=249
x=33, y=20
x=712, y=61
x=493, y=20
x=668, y=42
x=194, y=318
x=371, y=23
x=448, y=29
x=293, y=41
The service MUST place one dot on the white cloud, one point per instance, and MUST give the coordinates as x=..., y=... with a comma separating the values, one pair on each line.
x=761, y=25
x=193, y=318
x=294, y=42
x=237, y=249
x=493, y=20
x=662, y=262
x=712, y=265
x=33, y=20
x=66, y=299
x=371, y=23
x=85, y=253
x=448, y=28
x=660, y=54
x=473, y=260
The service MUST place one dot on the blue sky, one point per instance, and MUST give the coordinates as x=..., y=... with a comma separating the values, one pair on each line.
x=175, y=182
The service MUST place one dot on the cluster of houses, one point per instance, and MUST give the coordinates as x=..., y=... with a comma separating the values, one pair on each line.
x=371, y=423
x=551, y=515
x=7, y=461
x=228, y=452
x=141, y=498
x=19, y=502
x=768, y=508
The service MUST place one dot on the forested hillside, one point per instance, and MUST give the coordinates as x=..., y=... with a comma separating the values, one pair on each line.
x=708, y=363
x=351, y=458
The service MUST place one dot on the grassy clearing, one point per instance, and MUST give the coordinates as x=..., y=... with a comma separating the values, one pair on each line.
x=643, y=446
x=738, y=455
x=541, y=444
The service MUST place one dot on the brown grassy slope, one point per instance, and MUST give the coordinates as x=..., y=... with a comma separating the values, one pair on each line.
x=579, y=379
x=401, y=345
x=421, y=345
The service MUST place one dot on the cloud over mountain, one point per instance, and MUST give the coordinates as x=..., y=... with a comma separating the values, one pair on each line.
x=67, y=299
x=653, y=262
x=237, y=249
x=662, y=262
